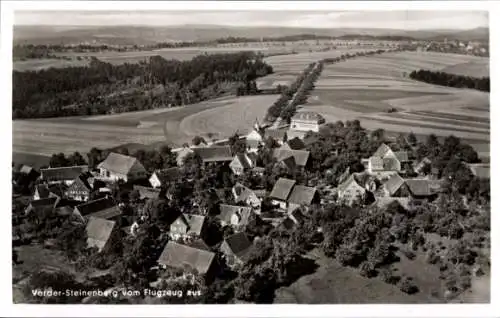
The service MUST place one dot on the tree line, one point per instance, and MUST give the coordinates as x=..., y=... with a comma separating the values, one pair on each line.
x=451, y=80
x=103, y=88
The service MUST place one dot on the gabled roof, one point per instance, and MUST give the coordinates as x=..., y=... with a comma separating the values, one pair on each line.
x=301, y=156
x=214, y=154
x=98, y=232
x=309, y=117
x=241, y=192
x=377, y=163
x=228, y=211
x=147, y=192
x=252, y=143
x=289, y=163
x=394, y=183
x=302, y=195
x=178, y=256
x=382, y=150
x=25, y=169
x=244, y=160
x=62, y=173
x=282, y=189
x=168, y=175
x=390, y=164
x=239, y=244
x=295, y=144
x=94, y=206
x=351, y=180
x=402, y=156
x=64, y=210
x=42, y=190
x=277, y=134
x=44, y=202
x=118, y=163
x=200, y=244
x=423, y=187
x=193, y=222
x=82, y=181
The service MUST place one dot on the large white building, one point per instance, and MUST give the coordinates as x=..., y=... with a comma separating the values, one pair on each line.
x=306, y=121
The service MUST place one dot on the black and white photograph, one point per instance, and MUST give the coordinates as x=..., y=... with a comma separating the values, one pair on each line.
x=249, y=156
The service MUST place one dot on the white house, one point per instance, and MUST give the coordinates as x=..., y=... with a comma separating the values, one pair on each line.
x=117, y=166
x=306, y=121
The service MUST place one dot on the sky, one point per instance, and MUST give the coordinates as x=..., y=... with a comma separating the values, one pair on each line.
x=409, y=20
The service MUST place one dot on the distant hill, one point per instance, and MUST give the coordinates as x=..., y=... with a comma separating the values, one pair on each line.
x=144, y=35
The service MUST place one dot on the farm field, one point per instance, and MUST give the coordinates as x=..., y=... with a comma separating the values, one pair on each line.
x=333, y=283
x=476, y=68
x=367, y=87
x=221, y=117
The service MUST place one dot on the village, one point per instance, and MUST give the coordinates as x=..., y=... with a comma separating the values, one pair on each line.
x=273, y=177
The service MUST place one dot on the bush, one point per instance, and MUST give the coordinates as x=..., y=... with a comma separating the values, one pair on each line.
x=406, y=285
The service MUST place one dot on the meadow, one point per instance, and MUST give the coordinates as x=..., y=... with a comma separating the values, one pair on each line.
x=216, y=118
x=366, y=88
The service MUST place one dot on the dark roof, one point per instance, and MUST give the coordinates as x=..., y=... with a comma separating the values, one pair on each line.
x=394, y=183
x=282, y=189
x=94, y=206
x=245, y=161
x=289, y=162
x=302, y=195
x=168, y=175
x=423, y=187
x=64, y=210
x=118, y=163
x=296, y=144
x=241, y=192
x=178, y=255
x=195, y=223
x=228, y=211
x=51, y=201
x=309, y=117
x=62, y=173
x=200, y=244
x=239, y=244
x=277, y=134
x=214, y=154
x=43, y=190
x=98, y=232
x=147, y=192
x=300, y=156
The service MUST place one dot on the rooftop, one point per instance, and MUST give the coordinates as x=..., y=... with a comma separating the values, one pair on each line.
x=118, y=163
x=181, y=256
x=282, y=189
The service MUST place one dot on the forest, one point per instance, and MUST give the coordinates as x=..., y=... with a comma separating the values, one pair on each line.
x=103, y=88
x=451, y=80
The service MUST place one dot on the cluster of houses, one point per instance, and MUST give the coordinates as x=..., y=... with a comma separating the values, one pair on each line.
x=382, y=180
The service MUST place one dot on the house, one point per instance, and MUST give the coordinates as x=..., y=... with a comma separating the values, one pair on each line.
x=423, y=188
x=278, y=134
x=302, y=196
x=147, y=193
x=186, y=226
x=247, y=196
x=294, y=144
x=281, y=191
x=242, y=162
x=236, y=248
x=423, y=165
x=100, y=233
x=66, y=175
x=306, y=121
x=288, y=164
x=385, y=162
x=42, y=206
x=182, y=154
x=162, y=177
x=42, y=191
x=200, y=244
x=255, y=138
x=217, y=154
x=184, y=257
x=395, y=186
x=104, y=208
x=26, y=170
x=121, y=167
x=480, y=170
x=233, y=215
x=301, y=157
x=350, y=190
x=80, y=189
